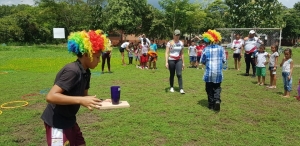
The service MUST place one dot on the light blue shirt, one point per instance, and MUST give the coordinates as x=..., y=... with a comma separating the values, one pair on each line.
x=213, y=57
x=153, y=47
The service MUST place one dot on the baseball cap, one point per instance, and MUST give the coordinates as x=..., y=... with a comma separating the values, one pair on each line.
x=251, y=32
x=176, y=32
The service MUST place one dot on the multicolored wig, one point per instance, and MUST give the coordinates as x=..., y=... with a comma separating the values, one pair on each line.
x=212, y=36
x=85, y=42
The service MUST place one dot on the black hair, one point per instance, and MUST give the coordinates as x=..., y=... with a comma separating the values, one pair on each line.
x=144, y=40
x=288, y=50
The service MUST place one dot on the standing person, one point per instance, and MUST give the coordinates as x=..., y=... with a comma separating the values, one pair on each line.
x=175, y=60
x=261, y=61
x=122, y=48
x=70, y=90
x=213, y=58
x=287, y=65
x=237, y=46
x=251, y=43
x=106, y=54
x=137, y=54
x=200, y=49
x=143, y=37
x=152, y=54
x=144, y=56
x=273, y=66
x=192, y=54
x=130, y=52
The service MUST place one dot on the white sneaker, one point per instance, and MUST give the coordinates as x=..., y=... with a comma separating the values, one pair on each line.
x=171, y=89
x=181, y=91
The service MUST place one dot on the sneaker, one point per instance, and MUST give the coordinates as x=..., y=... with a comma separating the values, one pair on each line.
x=171, y=89
x=181, y=91
x=253, y=76
x=217, y=106
x=247, y=74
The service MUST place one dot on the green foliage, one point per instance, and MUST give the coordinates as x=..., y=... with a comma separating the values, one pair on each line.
x=255, y=13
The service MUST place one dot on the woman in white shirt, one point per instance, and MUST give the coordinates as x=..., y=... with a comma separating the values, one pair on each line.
x=174, y=60
x=237, y=46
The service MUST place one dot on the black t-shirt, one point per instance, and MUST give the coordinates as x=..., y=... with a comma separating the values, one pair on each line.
x=74, y=80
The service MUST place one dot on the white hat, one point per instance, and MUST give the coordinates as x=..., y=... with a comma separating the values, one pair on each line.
x=251, y=32
x=176, y=32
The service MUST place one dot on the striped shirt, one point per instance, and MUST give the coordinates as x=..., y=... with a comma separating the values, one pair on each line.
x=213, y=57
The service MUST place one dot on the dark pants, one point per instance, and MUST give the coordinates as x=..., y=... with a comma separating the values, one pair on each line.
x=105, y=56
x=213, y=91
x=130, y=60
x=175, y=65
x=249, y=59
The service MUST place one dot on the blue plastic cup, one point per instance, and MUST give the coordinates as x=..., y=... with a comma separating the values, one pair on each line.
x=115, y=92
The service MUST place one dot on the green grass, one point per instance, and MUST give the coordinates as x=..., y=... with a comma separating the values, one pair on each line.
x=250, y=114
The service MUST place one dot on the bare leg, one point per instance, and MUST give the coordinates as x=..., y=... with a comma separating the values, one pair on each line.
x=263, y=80
x=122, y=54
x=154, y=65
x=239, y=63
x=258, y=80
x=235, y=63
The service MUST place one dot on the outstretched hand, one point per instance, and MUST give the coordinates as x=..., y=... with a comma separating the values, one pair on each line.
x=90, y=102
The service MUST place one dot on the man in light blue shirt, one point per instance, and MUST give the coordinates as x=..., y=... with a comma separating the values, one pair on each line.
x=213, y=57
x=152, y=54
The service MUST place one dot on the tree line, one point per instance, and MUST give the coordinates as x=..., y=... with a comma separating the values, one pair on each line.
x=34, y=24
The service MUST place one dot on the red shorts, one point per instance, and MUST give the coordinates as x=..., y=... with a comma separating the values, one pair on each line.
x=59, y=137
x=144, y=58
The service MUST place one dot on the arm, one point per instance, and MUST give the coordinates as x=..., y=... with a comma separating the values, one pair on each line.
x=167, y=56
x=55, y=96
x=188, y=51
x=267, y=59
x=283, y=59
x=275, y=64
x=291, y=68
x=182, y=57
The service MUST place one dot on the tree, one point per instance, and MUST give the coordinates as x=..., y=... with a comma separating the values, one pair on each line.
x=255, y=13
x=292, y=19
x=215, y=18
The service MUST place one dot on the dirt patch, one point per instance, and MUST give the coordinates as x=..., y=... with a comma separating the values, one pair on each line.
x=88, y=118
x=297, y=65
x=160, y=141
x=37, y=106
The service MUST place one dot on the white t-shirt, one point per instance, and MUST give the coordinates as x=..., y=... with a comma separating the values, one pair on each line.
x=147, y=40
x=175, y=50
x=125, y=44
x=237, y=44
x=145, y=48
x=272, y=59
x=261, y=59
x=252, y=44
x=286, y=67
x=192, y=50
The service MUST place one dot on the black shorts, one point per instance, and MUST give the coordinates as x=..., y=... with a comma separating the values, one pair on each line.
x=198, y=58
x=121, y=49
x=237, y=55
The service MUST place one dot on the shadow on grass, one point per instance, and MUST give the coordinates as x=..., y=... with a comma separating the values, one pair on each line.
x=279, y=93
x=203, y=103
x=176, y=89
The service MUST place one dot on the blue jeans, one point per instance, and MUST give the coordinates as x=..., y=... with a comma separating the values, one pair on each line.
x=287, y=84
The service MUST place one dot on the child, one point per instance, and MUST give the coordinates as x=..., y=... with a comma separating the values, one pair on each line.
x=261, y=62
x=130, y=53
x=287, y=71
x=152, y=54
x=70, y=90
x=237, y=45
x=144, y=56
x=193, y=56
x=200, y=49
x=137, y=54
x=273, y=66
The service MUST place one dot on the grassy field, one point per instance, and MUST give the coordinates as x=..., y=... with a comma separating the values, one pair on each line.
x=250, y=114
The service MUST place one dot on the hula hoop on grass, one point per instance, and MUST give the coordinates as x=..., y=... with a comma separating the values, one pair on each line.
x=3, y=105
x=4, y=72
x=0, y=112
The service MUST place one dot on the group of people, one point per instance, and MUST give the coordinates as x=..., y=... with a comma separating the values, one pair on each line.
x=145, y=52
x=71, y=85
x=254, y=51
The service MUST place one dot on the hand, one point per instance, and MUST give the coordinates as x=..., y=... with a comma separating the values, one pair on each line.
x=90, y=102
x=167, y=65
x=266, y=63
x=241, y=55
x=109, y=54
x=274, y=69
x=289, y=77
x=182, y=66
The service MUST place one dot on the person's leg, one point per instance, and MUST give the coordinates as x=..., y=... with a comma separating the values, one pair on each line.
x=131, y=58
x=154, y=64
x=271, y=77
x=108, y=62
x=263, y=74
x=103, y=61
x=190, y=57
x=289, y=86
x=239, y=63
x=123, y=61
x=274, y=80
x=150, y=60
x=252, y=61
x=235, y=63
x=217, y=95
x=247, y=60
x=172, y=72
x=179, y=72
x=258, y=75
x=285, y=82
x=210, y=94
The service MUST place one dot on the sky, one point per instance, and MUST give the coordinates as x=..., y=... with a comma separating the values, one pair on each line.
x=287, y=3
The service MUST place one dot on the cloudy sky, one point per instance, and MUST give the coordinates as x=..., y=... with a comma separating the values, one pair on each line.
x=287, y=3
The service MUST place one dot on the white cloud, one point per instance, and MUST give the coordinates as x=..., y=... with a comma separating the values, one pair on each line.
x=16, y=2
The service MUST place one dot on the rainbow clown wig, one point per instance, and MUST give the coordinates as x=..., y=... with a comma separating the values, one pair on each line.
x=86, y=42
x=212, y=36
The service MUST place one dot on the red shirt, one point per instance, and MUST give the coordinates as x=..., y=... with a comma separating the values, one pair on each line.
x=200, y=48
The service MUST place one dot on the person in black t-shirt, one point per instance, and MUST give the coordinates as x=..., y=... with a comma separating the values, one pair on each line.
x=70, y=90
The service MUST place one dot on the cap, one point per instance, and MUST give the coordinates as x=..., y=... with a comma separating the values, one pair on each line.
x=176, y=32
x=251, y=32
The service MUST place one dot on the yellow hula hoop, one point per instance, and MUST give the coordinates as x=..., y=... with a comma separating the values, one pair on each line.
x=3, y=105
x=0, y=112
x=3, y=72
